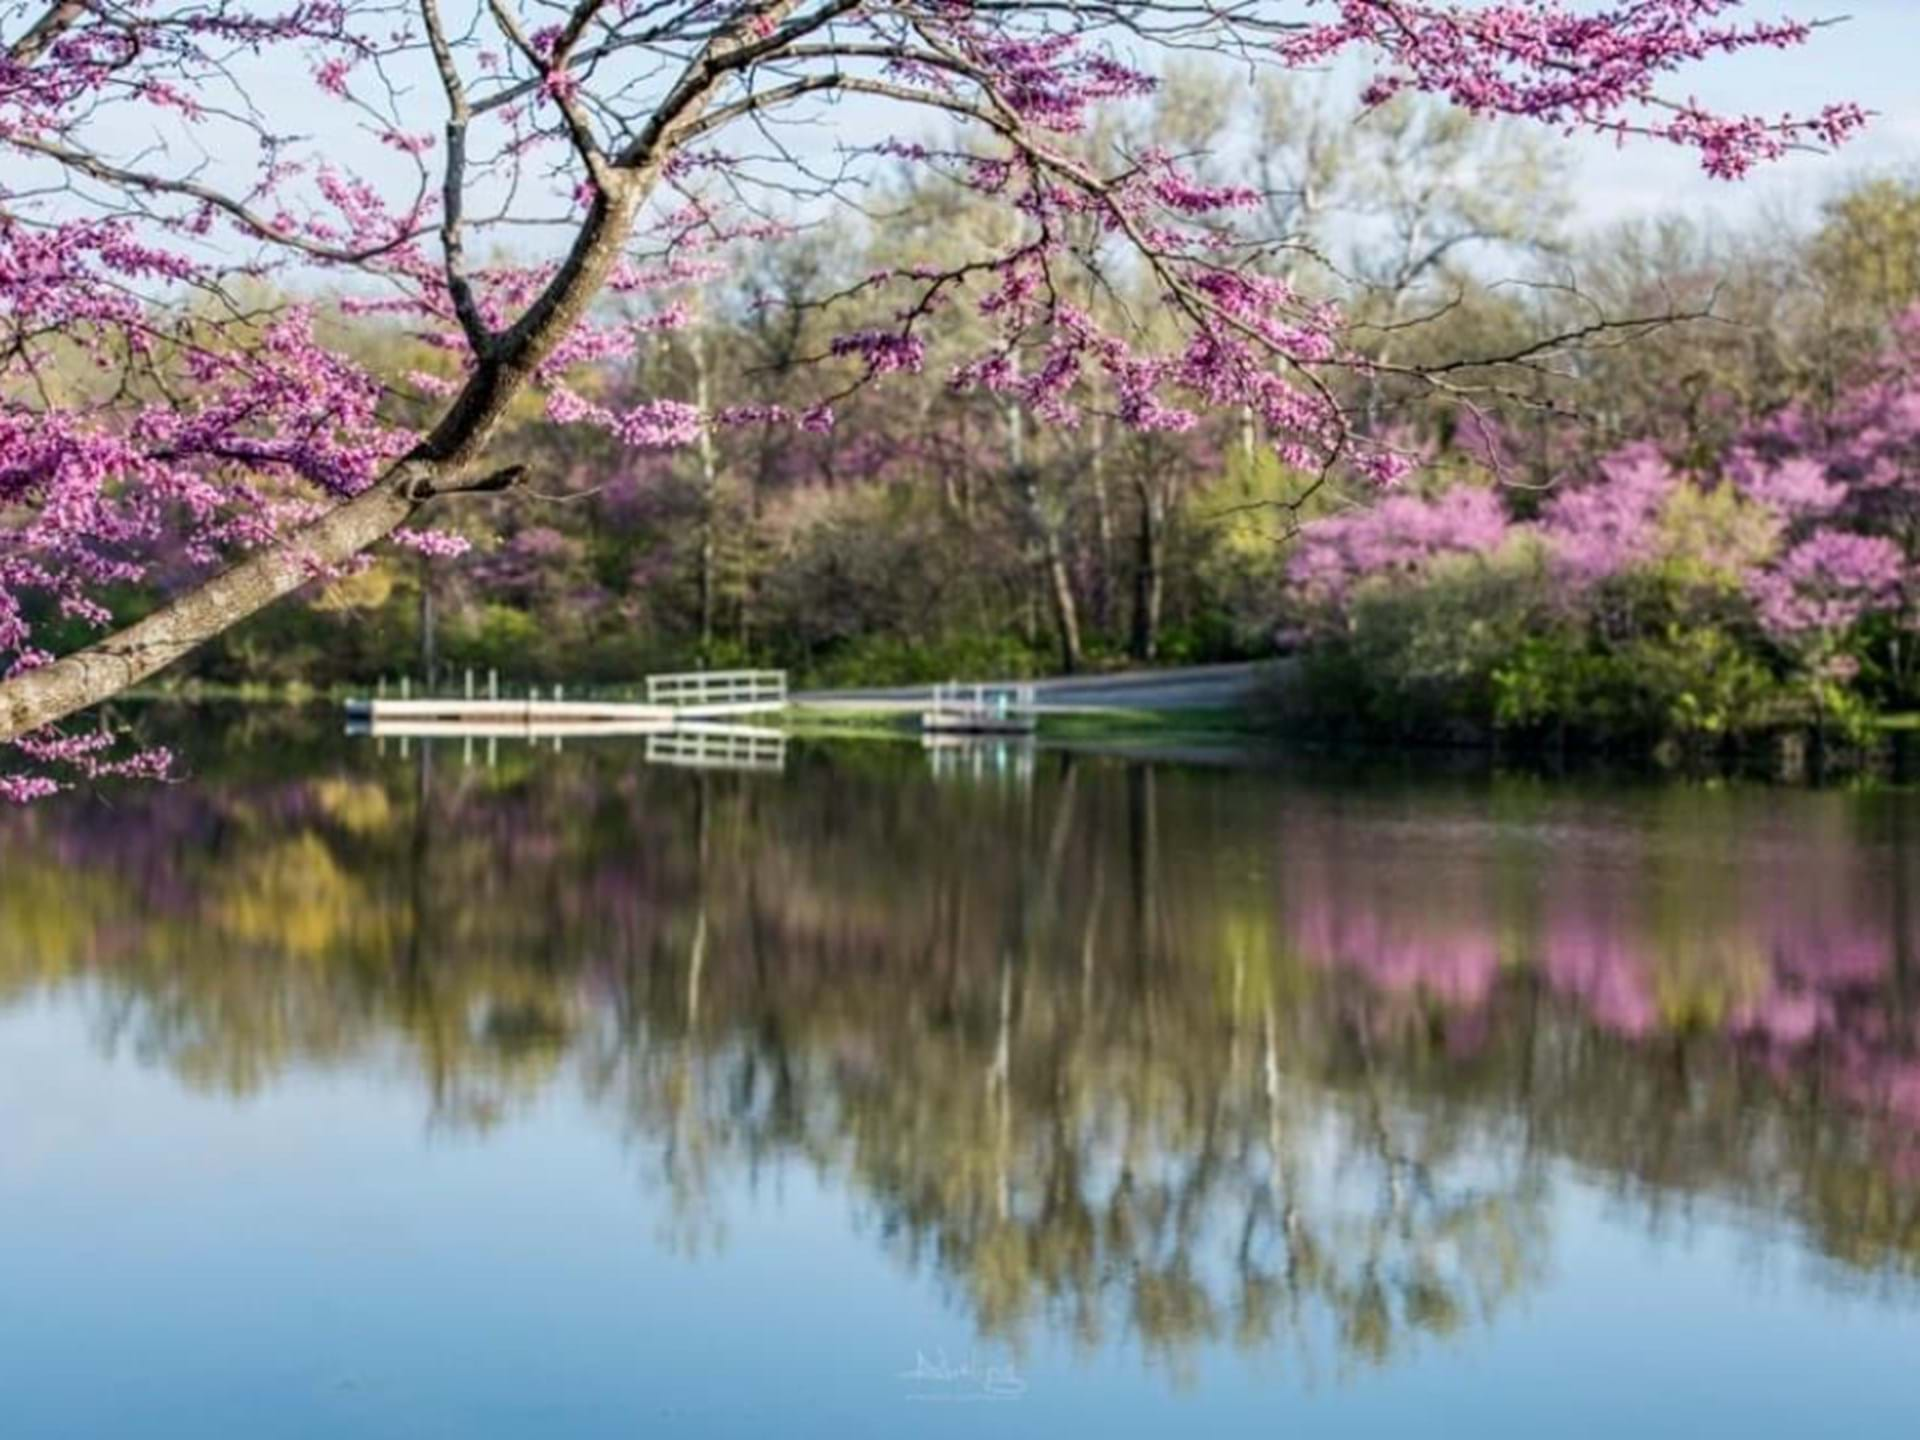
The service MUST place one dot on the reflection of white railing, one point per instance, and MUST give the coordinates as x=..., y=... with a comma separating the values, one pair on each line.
x=720, y=692
x=719, y=747
x=982, y=759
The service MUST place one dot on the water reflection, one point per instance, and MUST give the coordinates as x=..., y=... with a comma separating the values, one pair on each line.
x=1172, y=1056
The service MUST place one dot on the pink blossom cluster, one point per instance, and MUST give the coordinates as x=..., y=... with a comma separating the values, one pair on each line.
x=883, y=351
x=1606, y=527
x=90, y=757
x=1845, y=479
x=1834, y=496
x=1577, y=67
x=1827, y=582
x=1396, y=538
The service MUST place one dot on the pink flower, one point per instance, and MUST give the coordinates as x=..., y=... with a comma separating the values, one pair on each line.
x=1826, y=583
x=1604, y=527
x=1398, y=537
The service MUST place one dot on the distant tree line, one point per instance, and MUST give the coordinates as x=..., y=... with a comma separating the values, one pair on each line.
x=934, y=530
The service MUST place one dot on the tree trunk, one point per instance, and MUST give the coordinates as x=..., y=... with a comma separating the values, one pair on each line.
x=709, y=497
x=1045, y=537
x=1066, y=615
x=429, y=655
x=1103, y=536
x=1148, y=583
x=40, y=697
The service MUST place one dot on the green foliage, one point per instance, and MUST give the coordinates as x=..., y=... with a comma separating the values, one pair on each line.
x=499, y=637
x=1479, y=648
x=1867, y=250
x=1545, y=680
x=882, y=660
x=1203, y=638
x=1693, y=683
x=1711, y=537
x=1418, y=661
x=1842, y=712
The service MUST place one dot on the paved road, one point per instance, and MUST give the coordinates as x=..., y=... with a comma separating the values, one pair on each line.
x=1195, y=687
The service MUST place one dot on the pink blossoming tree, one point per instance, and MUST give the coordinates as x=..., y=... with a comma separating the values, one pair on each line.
x=1795, y=553
x=156, y=184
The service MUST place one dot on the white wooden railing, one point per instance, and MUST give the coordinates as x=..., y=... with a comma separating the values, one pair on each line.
x=999, y=701
x=720, y=692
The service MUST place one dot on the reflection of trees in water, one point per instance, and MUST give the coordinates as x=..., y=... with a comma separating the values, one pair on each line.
x=1182, y=1057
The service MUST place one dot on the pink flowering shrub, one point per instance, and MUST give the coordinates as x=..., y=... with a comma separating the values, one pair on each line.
x=1396, y=539
x=1610, y=525
x=1642, y=600
x=1823, y=586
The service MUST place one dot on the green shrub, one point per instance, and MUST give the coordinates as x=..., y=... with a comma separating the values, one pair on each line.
x=881, y=660
x=1478, y=647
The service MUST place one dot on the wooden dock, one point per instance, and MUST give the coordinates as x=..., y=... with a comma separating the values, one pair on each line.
x=456, y=716
x=672, y=701
x=980, y=710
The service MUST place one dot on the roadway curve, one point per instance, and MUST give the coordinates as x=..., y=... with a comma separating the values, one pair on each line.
x=1194, y=687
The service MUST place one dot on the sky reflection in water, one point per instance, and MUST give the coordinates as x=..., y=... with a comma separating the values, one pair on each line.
x=347, y=1094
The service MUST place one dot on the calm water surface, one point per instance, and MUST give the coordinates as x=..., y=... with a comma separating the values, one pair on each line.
x=351, y=1093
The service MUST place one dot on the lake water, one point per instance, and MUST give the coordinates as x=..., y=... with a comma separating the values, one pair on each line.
x=347, y=1092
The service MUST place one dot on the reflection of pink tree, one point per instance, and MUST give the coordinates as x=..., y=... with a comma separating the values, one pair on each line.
x=1589, y=957
x=1786, y=955
x=1403, y=950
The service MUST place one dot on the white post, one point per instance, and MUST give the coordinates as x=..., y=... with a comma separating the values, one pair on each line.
x=469, y=682
x=493, y=684
x=406, y=687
